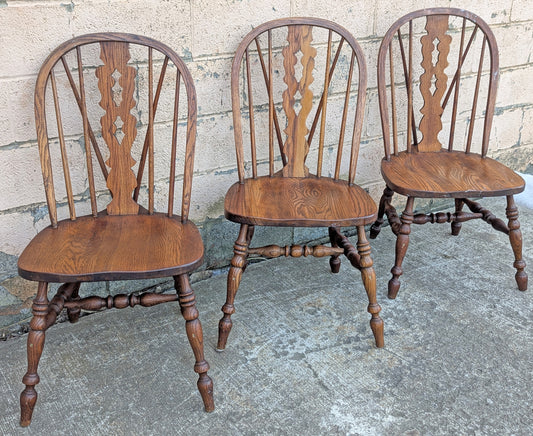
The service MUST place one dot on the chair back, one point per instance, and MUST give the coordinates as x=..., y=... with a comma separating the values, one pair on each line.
x=294, y=80
x=443, y=62
x=106, y=89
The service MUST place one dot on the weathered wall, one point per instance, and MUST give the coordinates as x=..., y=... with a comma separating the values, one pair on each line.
x=206, y=34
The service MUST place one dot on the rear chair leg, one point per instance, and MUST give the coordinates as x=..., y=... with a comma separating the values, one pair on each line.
x=369, y=281
x=238, y=264
x=456, y=226
x=74, y=314
x=38, y=326
x=402, y=242
x=386, y=198
x=195, y=335
x=515, y=236
x=334, y=261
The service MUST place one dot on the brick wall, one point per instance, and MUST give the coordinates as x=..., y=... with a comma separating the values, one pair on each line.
x=206, y=34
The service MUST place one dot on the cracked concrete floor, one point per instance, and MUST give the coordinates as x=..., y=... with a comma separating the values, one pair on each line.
x=458, y=353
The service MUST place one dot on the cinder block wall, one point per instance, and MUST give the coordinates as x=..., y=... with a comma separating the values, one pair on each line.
x=206, y=34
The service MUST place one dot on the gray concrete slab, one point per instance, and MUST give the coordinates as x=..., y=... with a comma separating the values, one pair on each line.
x=300, y=358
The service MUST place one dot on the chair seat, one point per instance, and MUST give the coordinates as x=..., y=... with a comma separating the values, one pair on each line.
x=452, y=174
x=305, y=202
x=112, y=248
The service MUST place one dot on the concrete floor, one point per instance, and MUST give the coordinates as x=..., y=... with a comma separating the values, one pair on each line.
x=301, y=359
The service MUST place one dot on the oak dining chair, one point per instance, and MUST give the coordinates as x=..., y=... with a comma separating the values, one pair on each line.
x=294, y=80
x=438, y=71
x=98, y=98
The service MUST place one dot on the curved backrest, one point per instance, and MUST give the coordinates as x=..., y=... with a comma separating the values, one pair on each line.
x=293, y=81
x=106, y=89
x=444, y=68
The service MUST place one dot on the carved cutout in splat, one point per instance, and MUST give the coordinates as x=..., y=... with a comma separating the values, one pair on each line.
x=118, y=125
x=296, y=146
x=433, y=82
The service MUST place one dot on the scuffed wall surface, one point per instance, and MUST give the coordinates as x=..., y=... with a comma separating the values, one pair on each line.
x=206, y=34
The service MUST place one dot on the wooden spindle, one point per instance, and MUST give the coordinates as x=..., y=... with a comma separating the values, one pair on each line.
x=410, y=88
x=476, y=92
x=324, y=101
x=267, y=83
x=150, y=133
x=90, y=173
x=270, y=108
x=251, y=115
x=393, y=103
x=406, y=75
x=359, y=114
x=456, y=93
x=319, y=108
x=64, y=158
x=355, y=146
x=77, y=97
x=456, y=75
x=144, y=152
x=172, y=180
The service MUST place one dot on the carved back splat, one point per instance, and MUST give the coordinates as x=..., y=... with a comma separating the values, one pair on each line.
x=448, y=39
x=74, y=86
x=433, y=76
x=293, y=113
x=121, y=180
x=296, y=146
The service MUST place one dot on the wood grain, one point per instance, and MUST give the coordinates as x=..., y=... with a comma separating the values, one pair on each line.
x=112, y=248
x=310, y=202
x=448, y=175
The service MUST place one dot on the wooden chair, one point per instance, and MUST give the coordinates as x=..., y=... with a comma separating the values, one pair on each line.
x=298, y=183
x=123, y=240
x=445, y=154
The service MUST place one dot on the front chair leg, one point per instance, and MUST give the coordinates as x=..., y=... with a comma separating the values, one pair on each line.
x=195, y=335
x=238, y=263
x=369, y=281
x=38, y=326
x=515, y=236
x=402, y=242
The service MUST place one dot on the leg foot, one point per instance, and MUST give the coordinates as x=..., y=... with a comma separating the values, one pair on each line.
x=386, y=198
x=402, y=242
x=369, y=281
x=515, y=237
x=195, y=335
x=38, y=326
x=234, y=279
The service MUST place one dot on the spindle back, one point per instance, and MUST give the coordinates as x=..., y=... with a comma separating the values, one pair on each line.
x=441, y=95
x=106, y=89
x=295, y=80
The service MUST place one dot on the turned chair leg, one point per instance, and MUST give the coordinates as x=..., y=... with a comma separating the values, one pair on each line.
x=195, y=335
x=369, y=281
x=456, y=226
x=386, y=198
x=515, y=236
x=238, y=264
x=74, y=314
x=402, y=242
x=38, y=326
x=334, y=261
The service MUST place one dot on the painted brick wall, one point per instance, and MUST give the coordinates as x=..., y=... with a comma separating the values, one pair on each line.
x=206, y=33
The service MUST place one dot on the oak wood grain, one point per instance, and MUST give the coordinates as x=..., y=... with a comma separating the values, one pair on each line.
x=305, y=202
x=449, y=174
x=112, y=248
